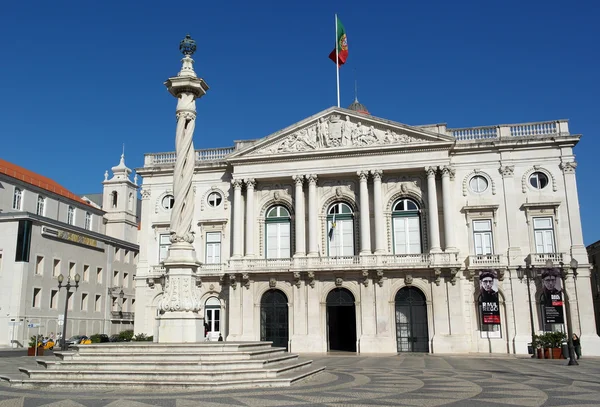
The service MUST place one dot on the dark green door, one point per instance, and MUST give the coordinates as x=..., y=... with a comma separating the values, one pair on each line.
x=412, y=333
x=274, y=318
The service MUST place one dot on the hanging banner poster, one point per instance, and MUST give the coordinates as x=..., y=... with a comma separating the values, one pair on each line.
x=488, y=300
x=552, y=297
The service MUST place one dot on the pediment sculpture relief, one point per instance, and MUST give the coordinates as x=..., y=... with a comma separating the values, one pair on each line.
x=335, y=132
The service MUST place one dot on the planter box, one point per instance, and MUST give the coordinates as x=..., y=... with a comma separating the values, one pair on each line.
x=551, y=353
x=31, y=351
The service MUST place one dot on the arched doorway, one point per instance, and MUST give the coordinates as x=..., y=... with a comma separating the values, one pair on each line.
x=412, y=334
x=274, y=318
x=212, y=318
x=341, y=320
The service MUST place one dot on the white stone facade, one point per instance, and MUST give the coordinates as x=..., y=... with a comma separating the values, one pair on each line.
x=517, y=179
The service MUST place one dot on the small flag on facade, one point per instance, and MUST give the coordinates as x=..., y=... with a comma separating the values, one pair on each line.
x=341, y=46
x=332, y=228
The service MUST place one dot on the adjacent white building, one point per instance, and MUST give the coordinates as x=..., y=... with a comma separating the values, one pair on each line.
x=350, y=232
x=45, y=230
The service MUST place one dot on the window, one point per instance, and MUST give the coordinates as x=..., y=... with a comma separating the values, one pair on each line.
x=41, y=206
x=37, y=296
x=168, y=201
x=340, y=226
x=116, y=278
x=125, y=280
x=72, y=270
x=163, y=247
x=39, y=265
x=99, y=275
x=117, y=254
x=54, y=299
x=17, y=199
x=98, y=303
x=86, y=272
x=88, y=221
x=55, y=268
x=543, y=235
x=212, y=317
x=114, y=304
x=214, y=199
x=213, y=248
x=71, y=215
x=407, y=227
x=84, y=301
x=70, y=300
x=126, y=256
x=130, y=202
x=113, y=198
x=538, y=180
x=482, y=237
x=278, y=223
x=23, y=240
x=478, y=184
x=124, y=305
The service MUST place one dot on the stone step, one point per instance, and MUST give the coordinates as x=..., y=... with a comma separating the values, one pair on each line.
x=170, y=356
x=113, y=384
x=151, y=347
x=65, y=374
x=181, y=365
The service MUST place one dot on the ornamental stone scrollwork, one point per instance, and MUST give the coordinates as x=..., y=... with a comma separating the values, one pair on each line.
x=506, y=171
x=408, y=279
x=145, y=193
x=211, y=287
x=296, y=282
x=246, y=281
x=478, y=172
x=272, y=282
x=537, y=168
x=365, y=277
x=334, y=132
x=379, y=275
x=568, y=167
x=437, y=273
x=453, y=275
x=339, y=281
x=179, y=295
x=311, y=279
x=232, y=281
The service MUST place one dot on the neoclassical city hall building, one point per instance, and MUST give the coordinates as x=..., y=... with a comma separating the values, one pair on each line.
x=350, y=232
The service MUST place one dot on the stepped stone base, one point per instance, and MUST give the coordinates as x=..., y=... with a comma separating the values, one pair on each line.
x=143, y=365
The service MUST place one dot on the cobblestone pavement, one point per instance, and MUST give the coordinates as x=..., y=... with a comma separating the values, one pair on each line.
x=350, y=380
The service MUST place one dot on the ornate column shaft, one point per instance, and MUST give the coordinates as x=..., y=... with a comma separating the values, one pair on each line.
x=237, y=218
x=577, y=247
x=300, y=216
x=365, y=225
x=447, y=208
x=378, y=213
x=434, y=223
x=250, y=218
x=313, y=224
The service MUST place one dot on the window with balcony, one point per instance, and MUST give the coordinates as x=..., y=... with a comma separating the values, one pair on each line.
x=41, y=206
x=71, y=215
x=278, y=236
x=163, y=247
x=482, y=237
x=17, y=199
x=340, y=224
x=543, y=232
x=213, y=247
x=406, y=223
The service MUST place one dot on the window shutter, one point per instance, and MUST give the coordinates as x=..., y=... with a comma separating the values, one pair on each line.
x=272, y=248
x=400, y=236
x=284, y=240
x=414, y=235
x=539, y=241
x=347, y=237
x=549, y=241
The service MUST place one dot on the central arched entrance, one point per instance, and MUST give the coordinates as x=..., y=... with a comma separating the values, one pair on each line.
x=274, y=318
x=412, y=333
x=341, y=320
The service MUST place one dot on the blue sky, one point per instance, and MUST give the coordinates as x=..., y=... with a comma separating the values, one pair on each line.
x=79, y=78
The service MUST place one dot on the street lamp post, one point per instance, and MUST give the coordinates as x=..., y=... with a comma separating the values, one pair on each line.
x=68, y=287
x=527, y=272
x=563, y=273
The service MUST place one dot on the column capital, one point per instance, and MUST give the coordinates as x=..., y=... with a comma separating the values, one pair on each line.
x=312, y=178
x=250, y=183
x=431, y=171
x=237, y=183
x=145, y=193
x=298, y=179
x=447, y=171
x=363, y=175
x=568, y=167
x=376, y=174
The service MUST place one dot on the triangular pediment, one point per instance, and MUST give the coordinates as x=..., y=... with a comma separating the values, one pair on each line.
x=338, y=129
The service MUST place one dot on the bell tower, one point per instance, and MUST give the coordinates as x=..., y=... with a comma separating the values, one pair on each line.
x=119, y=201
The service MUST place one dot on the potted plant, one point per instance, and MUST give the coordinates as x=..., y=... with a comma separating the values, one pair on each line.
x=34, y=342
x=555, y=341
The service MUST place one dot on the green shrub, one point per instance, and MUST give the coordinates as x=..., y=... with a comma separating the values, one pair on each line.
x=33, y=340
x=126, y=336
x=95, y=338
x=143, y=338
x=550, y=339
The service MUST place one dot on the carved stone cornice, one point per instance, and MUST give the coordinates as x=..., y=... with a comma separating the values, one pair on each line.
x=363, y=175
x=507, y=170
x=377, y=174
x=237, y=183
x=431, y=171
x=568, y=167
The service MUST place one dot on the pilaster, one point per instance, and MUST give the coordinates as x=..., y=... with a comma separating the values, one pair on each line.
x=250, y=217
x=378, y=212
x=300, y=216
x=237, y=218
x=313, y=248
x=434, y=223
x=365, y=227
x=447, y=173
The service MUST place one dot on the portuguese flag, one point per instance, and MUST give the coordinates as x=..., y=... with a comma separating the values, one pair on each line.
x=341, y=45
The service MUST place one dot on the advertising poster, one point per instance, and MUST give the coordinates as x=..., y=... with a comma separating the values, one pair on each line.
x=552, y=299
x=490, y=308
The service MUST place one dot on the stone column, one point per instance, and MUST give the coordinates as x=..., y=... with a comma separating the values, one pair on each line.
x=434, y=224
x=378, y=213
x=365, y=226
x=447, y=174
x=313, y=224
x=250, y=218
x=578, y=249
x=237, y=218
x=300, y=216
x=181, y=319
x=513, y=237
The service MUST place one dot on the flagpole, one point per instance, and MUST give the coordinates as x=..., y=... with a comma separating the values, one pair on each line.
x=337, y=62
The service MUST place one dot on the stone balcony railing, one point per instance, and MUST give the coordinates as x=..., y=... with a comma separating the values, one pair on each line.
x=126, y=316
x=540, y=259
x=210, y=154
x=506, y=131
x=481, y=261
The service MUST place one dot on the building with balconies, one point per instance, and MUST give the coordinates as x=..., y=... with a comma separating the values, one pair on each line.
x=350, y=232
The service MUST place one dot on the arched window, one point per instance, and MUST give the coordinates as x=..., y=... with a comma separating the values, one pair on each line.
x=130, y=202
x=41, y=206
x=113, y=196
x=278, y=235
x=71, y=215
x=17, y=199
x=406, y=220
x=212, y=318
x=340, y=227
